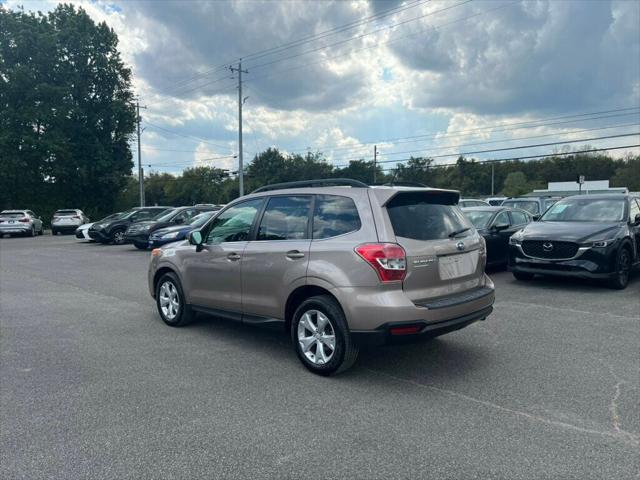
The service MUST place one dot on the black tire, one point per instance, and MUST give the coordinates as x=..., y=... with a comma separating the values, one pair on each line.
x=117, y=237
x=41, y=232
x=185, y=314
x=54, y=232
x=32, y=232
x=345, y=352
x=140, y=246
x=620, y=280
x=523, y=276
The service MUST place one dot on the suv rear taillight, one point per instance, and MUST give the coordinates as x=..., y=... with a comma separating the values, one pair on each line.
x=389, y=260
x=24, y=220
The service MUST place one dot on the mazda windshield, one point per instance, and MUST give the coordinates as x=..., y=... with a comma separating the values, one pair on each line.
x=586, y=210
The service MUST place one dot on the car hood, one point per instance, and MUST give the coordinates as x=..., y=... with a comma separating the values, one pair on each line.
x=570, y=231
x=176, y=228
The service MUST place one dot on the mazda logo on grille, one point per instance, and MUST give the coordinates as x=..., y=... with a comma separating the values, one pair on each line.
x=460, y=246
x=547, y=246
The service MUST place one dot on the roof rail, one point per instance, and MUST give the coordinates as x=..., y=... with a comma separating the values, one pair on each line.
x=324, y=182
x=403, y=184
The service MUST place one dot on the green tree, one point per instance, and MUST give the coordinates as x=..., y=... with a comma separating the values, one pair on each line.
x=628, y=174
x=515, y=184
x=66, y=112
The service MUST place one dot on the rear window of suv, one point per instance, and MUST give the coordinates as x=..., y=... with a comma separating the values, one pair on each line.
x=334, y=215
x=424, y=217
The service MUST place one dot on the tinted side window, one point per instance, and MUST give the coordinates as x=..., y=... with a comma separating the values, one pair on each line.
x=285, y=218
x=502, y=219
x=234, y=224
x=333, y=216
x=519, y=218
x=185, y=216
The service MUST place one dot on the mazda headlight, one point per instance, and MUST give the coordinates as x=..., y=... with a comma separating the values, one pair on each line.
x=516, y=238
x=170, y=235
x=601, y=243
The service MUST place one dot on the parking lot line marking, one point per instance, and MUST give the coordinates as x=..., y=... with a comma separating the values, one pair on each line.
x=625, y=437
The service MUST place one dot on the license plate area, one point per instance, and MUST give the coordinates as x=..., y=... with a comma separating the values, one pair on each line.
x=458, y=265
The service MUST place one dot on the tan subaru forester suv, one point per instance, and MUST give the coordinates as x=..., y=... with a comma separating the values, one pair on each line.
x=338, y=263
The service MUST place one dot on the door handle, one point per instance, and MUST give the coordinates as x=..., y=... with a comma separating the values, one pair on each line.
x=233, y=257
x=293, y=254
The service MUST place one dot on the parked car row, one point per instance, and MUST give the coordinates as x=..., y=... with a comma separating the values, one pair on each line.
x=139, y=224
x=586, y=236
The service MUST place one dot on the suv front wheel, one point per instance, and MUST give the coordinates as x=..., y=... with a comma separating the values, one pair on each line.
x=171, y=303
x=321, y=337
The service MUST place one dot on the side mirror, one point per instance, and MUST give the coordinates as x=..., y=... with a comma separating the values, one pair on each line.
x=535, y=217
x=636, y=221
x=195, y=238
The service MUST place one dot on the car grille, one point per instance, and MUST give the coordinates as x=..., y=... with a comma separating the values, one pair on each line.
x=549, y=249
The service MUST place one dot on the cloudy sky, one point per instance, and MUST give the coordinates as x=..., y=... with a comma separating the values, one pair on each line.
x=415, y=77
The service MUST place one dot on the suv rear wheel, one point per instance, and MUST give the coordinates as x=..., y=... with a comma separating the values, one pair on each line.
x=321, y=337
x=171, y=303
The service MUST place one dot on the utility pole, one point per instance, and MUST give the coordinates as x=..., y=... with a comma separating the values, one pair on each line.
x=375, y=162
x=240, y=102
x=492, y=177
x=140, y=171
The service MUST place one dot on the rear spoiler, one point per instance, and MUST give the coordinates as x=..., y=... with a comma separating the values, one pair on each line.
x=428, y=195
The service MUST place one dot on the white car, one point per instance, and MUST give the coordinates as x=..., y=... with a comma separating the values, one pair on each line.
x=23, y=222
x=82, y=232
x=67, y=220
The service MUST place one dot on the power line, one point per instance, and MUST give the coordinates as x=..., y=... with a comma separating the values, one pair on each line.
x=501, y=128
x=253, y=67
x=511, y=139
x=192, y=137
x=335, y=30
x=497, y=160
x=307, y=39
x=520, y=147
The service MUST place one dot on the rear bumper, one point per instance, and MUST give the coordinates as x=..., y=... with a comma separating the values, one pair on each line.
x=64, y=228
x=24, y=228
x=369, y=309
x=383, y=336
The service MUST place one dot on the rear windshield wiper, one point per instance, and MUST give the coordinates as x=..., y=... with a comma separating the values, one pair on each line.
x=458, y=232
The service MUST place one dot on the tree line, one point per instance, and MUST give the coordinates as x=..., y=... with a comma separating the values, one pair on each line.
x=470, y=176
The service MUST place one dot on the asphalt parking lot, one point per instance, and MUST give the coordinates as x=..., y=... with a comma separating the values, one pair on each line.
x=94, y=385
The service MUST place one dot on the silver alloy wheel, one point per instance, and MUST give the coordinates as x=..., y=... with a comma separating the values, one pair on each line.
x=118, y=237
x=169, y=300
x=316, y=337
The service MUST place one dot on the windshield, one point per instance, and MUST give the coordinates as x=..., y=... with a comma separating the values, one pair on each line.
x=165, y=216
x=65, y=213
x=479, y=218
x=114, y=216
x=12, y=214
x=201, y=219
x=528, y=205
x=586, y=210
